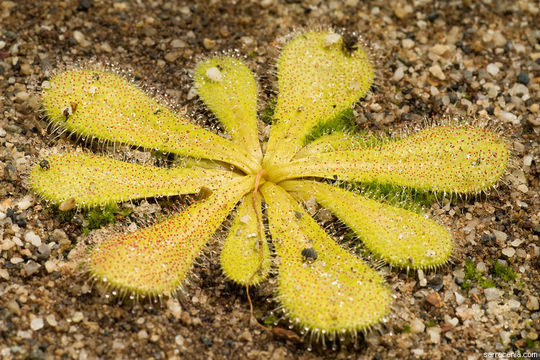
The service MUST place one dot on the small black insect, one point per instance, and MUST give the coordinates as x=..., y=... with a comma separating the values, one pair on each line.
x=66, y=112
x=44, y=164
x=95, y=76
x=309, y=255
x=157, y=111
x=298, y=214
x=350, y=43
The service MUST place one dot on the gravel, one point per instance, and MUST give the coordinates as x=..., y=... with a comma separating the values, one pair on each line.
x=471, y=60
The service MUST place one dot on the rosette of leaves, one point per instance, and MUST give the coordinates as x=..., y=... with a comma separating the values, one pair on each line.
x=321, y=286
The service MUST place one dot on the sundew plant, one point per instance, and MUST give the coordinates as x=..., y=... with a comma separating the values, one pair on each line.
x=321, y=286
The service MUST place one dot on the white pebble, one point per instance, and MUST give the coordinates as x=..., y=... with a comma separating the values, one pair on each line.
x=508, y=252
x=527, y=160
x=417, y=352
x=422, y=281
x=417, y=326
x=439, y=49
x=214, y=74
x=192, y=93
x=460, y=299
x=454, y=321
x=77, y=317
x=434, y=334
x=177, y=43
x=25, y=202
x=174, y=307
x=32, y=238
x=492, y=294
x=516, y=242
x=37, y=323
x=514, y=304
x=436, y=71
x=505, y=337
x=245, y=219
x=331, y=39
x=179, y=340
x=492, y=69
x=508, y=117
x=78, y=36
x=51, y=320
x=407, y=43
x=499, y=235
x=398, y=74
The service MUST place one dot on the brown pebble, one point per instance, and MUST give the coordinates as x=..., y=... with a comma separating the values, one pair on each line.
x=209, y=44
x=67, y=205
x=285, y=334
x=185, y=318
x=446, y=327
x=434, y=299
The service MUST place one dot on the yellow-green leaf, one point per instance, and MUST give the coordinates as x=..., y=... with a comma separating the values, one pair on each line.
x=228, y=88
x=156, y=259
x=457, y=159
x=401, y=237
x=97, y=180
x=241, y=254
x=104, y=105
x=336, y=141
x=328, y=290
x=317, y=80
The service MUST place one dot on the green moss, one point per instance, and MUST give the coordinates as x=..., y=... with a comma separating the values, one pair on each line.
x=97, y=217
x=405, y=329
x=407, y=198
x=267, y=114
x=431, y=323
x=343, y=121
x=473, y=275
x=505, y=273
x=531, y=344
x=485, y=282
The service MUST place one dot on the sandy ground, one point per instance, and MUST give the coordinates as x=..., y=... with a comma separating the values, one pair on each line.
x=475, y=59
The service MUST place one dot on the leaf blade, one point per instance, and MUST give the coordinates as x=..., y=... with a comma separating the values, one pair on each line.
x=232, y=97
x=400, y=237
x=336, y=292
x=104, y=105
x=93, y=180
x=157, y=259
x=316, y=82
x=240, y=256
x=455, y=159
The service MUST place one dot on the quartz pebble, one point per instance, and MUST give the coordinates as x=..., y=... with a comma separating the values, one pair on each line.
x=77, y=317
x=460, y=299
x=499, y=236
x=37, y=323
x=398, y=74
x=492, y=294
x=214, y=74
x=25, y=202
x=436, y=71
x=32, y=238
x=492, y=69
x=532, y=303
x=434, y=334
x=417, y=326
x=509, y=252
x=209, y=44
